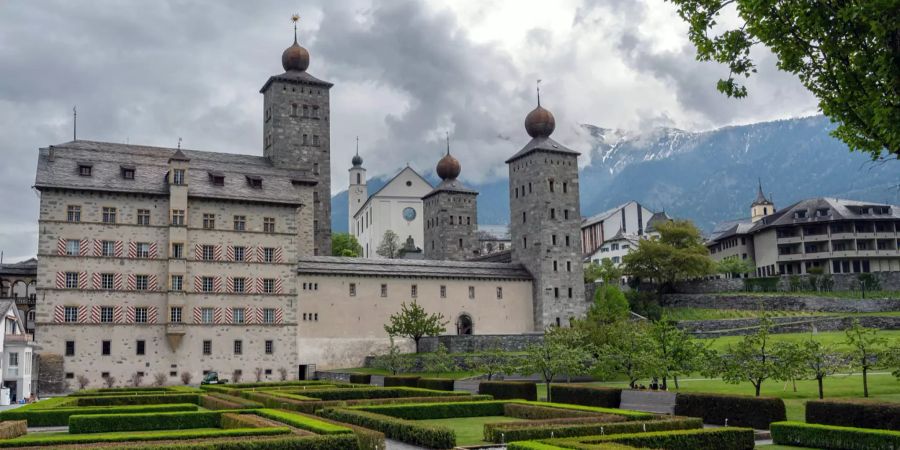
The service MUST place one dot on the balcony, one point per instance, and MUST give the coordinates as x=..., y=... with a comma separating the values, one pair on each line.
x=19, y=338
x=792, y=257
x=790, y=239
x=841, y=236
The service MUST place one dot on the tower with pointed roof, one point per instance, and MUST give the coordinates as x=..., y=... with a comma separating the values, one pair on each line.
x=545, y=220
x=762, y=206
x=450, y=212
x=296, y=132
x=357, y=192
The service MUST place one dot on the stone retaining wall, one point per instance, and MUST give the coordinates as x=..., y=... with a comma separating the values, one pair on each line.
x=480, y=342
x=786, y=302
x=890, y=281
x=737, y=327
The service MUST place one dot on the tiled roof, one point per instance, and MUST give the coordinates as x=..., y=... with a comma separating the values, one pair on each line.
x=58, y=167
x=27, y=267
x=542, y=143
x=335, y=265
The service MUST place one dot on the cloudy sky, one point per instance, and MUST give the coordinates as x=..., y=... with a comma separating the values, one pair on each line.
x=404, y=72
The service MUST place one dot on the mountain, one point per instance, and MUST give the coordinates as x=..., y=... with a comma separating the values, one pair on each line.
x=707, y=176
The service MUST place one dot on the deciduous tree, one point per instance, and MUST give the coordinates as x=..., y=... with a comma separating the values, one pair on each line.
x=555, y=356
x=752, y=359
x=389, y=246
x=629, y=351
x=821, y=361
x=345, y=244
x=606, y=271
x=866, y=347
x=414, y=322
x=676, y=352
x=677, y=254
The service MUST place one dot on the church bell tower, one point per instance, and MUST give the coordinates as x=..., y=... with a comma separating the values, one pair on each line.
x=357, y=192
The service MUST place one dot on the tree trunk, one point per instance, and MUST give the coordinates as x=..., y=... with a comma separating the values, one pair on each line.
x=794, y=382
x=665, y=385
x=865, y=381
x=417, y=343
x=675, y=379
x=821, y=393
x=757, y=386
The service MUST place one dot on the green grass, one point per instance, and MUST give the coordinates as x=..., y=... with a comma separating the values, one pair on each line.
x=469, y=430
x=834, y=339
x=850, y=295
x=302, y=422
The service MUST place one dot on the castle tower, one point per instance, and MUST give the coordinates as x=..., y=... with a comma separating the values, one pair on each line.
x=545, y=220
x=357, y=192
x=762, y=206
x=450, y=212
x=296, y=131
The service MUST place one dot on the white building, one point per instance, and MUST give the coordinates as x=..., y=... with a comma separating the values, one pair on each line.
x=15, y=353
x=397, y=206
x=629, y=218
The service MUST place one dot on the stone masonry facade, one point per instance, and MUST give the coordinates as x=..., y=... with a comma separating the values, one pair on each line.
x=451, y=220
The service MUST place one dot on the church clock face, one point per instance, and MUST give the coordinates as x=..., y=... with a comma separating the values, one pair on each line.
x=409, y=214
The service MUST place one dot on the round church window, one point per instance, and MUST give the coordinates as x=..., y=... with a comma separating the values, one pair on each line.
x=409, y=214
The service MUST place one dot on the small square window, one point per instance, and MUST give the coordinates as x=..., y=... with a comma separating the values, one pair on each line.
x=70, y=375
x=128, y=173
x=84, y=170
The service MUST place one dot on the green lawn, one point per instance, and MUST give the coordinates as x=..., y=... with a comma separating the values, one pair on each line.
x=830, y=338
x=469, y=430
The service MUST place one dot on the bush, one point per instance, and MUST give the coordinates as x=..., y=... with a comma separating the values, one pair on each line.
x=498, y=433
x=696, y=439
x=741, y=411
x=532, y=412
x=360, y=378
x=401, y=380
x=437, y=384
x=507, y=390
x=578, y=394
x=761, y=284
x=853, y=413
x=407, y=431
x=106, y=423
x=424, y=411
x=13, y=428
x=58, y=439
x=532, y=445
x=59, y=417
x=628, y=414
x=303, y=422
x=216, y=400
x=124, y=400
x=833, y=437
x=372, y=392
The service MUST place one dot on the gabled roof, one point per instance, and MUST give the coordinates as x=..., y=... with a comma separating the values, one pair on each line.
x=542, y=144
x=596, y=218
x=394, y=178
x=58, y=168
x=362, y=267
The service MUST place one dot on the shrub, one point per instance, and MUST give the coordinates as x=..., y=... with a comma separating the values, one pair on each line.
x=437, y=384
x=282, y=374
x=438, y=399
x=58, y=417
x=833, y=437
x=123, y=400
x=13, y=428
x=741, y=411
x=528, y=431
x=401, y=380
x=82, y=381
x=159, y=379
x=186, y=377
x=694, y=439
x=109, y=381
x=58, y=439
x=372, y=392
x=366, y=439
x=854, y=413
x=761, y=284
x=586, y=395
x=532, y=445
x=136, y=379
x=303, y=422
x=407, y=431
x=447, y=410
x=360, y=378
x=105, y=423
x=628, y=414
x=532, y=412
x=506, y=390
x=217, y=400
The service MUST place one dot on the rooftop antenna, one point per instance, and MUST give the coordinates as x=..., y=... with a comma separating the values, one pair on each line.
x=75, y=123
x=179, y=143
x=295, y=18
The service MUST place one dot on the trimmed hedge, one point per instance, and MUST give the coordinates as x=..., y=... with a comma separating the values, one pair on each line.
x=424, y=411
x=374, y=392
x=741, y=411
x=365, y=438
x=55, y=439
x=401, y=380
x=303, y=422
x=407, y=431
x=13, y=429
x=532, y=445
x=106, y=423
x=628, y=414
x=507, y=390
x=854, y=413
x=439, y=399
x=235, y=420
x=124, y=400
x=265, y=384
x=578, y=394
x=60, y=417
x=833, y=437
x=498, y=433
x=292, y=443
x=533, y=412
x=360, y=378
x=694, y=439
x=436, y=384
x=215, y=400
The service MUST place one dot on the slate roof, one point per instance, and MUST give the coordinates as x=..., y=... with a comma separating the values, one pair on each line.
x=452, y=185
x=542, y=143
x=656, y=219
x=27, y=267
x=335, y=265
x=837, y=209
x=502, y=256
x=58, y=168
x=385, y=185
x=297, y=77
x=730, y=228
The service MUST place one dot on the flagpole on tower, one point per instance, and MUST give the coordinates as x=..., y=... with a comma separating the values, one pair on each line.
x=75, y=123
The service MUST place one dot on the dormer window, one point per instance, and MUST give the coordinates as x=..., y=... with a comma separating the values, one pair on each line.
x=217, y=179
x=128, y=172
x=254, y=181
x=84, y=169
x=801, y=214
x=823, y=212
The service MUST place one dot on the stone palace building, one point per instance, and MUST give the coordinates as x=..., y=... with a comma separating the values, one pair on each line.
x=160, y=260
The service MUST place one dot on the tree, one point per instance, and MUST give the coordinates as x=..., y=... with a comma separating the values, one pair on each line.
x=610, y=305
x=159, y=379
x=492, y=361
x=82, y=381
x=846, y=53
x=186, y=377
x=389, y=246
x=678, y=254
x=555, y=356
x=393, y=361
x=820, y=362
x=676, y=352
x=413, y=322
x=345, y=244
x=606, y=271
x=753, y=359
x=791, y=363
x=438, y=361
x=629, y=351
x=735, y=267
x=866, y=346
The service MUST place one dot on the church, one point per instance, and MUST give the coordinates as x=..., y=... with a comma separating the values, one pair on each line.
x=169, y=261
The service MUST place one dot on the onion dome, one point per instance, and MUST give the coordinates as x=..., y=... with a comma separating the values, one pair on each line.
x=539, y=122
x=295, y=58
x=357, y=160
x=448, y=167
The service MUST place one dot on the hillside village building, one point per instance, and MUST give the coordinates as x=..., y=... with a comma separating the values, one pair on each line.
x=833, y=235
x=614, y=233
x=160, y=260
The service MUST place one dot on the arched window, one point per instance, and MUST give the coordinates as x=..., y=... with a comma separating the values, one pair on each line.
x=464, y=324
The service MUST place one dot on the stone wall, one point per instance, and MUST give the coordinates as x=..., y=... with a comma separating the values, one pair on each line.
x=785, y=302
x=736, y=327
x=475, y=343
x=890, y=281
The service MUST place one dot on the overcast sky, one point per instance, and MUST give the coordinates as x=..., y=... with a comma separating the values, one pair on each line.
x=404, y=71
